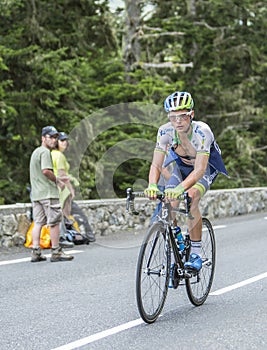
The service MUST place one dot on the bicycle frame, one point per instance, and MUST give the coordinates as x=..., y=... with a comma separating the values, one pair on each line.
x=166, y=219
x=155, y=267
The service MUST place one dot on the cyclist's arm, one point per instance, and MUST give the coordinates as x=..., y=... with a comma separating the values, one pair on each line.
x=156, y=167
x=200, y=167
x=164, y=140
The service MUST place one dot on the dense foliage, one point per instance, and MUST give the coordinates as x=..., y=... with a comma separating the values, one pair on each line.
x=62, y=60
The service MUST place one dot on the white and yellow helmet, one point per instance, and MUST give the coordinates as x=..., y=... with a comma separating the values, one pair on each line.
x=178, y=100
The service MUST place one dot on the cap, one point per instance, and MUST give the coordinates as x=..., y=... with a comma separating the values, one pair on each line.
x=49, y=130
x=62, y=136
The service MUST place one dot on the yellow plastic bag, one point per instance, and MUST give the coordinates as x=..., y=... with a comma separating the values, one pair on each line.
x=45, y=241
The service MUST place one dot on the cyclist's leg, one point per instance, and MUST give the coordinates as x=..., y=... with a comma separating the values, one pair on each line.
x=175, y=179
x=196, y=192
x=195, y=224
x=195, y=231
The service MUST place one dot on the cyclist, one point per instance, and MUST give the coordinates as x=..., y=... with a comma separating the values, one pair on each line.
x=198, y=162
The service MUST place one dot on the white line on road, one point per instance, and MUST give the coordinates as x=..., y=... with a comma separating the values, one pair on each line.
x=240, y=284
x=219, y=226
x=84, y=341
x=17, y=261
x=97, y=336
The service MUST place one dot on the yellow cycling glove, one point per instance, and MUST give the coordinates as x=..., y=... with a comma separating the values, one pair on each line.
x=152, y=191
x=174, y=193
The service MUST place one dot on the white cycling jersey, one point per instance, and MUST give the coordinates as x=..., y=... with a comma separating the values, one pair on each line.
x=201, y=137
x=201, y=140
x=165, y=137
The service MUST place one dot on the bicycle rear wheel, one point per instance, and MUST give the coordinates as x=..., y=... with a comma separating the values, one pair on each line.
x=152, y=275
x=198, y=286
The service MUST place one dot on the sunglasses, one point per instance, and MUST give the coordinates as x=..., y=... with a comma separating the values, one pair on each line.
x=178, y=117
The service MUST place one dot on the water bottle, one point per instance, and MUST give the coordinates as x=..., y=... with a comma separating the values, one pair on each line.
x=180, y=238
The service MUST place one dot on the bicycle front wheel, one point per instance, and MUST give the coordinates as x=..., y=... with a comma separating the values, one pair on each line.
x=152, y=275
x=198, y=286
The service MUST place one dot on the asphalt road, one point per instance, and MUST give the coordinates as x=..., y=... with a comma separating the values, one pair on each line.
x=89, y=303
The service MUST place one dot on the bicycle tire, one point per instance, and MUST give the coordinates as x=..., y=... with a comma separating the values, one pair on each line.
x=198, y=286
x=152, y=275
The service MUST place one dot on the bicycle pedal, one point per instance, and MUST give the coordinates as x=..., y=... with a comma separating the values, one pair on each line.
x=188, y=274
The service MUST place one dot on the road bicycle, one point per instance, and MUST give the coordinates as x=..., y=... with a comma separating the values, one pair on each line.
x=161, y=259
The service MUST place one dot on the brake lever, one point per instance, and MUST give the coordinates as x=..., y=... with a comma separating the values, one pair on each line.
x=130, y=202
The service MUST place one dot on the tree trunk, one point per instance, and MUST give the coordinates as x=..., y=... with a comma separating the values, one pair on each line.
x=131, y=45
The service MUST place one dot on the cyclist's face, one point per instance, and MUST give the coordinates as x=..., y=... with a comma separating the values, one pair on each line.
x=181, y=120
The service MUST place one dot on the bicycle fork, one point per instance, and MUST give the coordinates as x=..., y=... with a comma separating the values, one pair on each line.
x=148, y=270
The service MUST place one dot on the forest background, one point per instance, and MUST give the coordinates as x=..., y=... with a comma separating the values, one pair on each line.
x=61, y=60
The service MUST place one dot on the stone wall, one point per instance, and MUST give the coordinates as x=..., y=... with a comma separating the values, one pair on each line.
x=109, y=216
